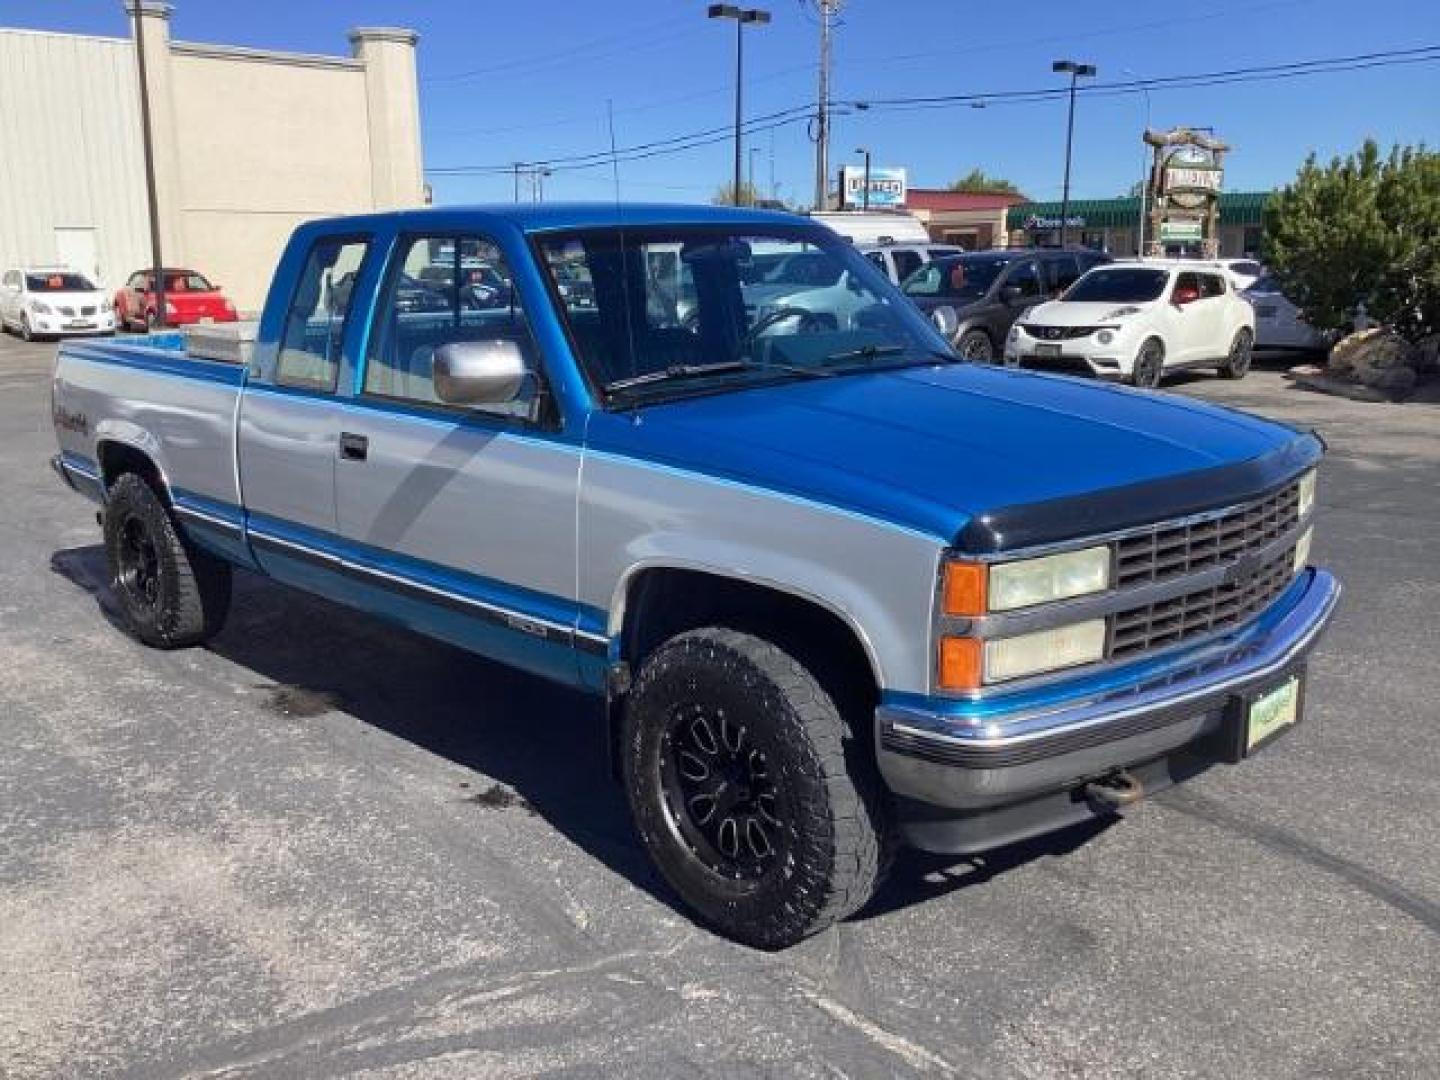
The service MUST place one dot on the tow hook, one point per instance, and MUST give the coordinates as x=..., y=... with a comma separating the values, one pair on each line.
x=1114, y=792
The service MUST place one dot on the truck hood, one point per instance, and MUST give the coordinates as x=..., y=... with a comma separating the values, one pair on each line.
x=1061, y=313
x=934, y=448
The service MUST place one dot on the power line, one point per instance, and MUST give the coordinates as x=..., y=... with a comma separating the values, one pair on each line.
x=785, y=117
x=609, y=44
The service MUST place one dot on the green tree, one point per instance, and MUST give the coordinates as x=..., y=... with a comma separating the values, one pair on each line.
x=1361, y=230
x=725, y=194
x=979, y=182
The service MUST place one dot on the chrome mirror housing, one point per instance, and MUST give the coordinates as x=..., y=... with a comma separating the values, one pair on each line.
x=945, y=320
x=479, y=372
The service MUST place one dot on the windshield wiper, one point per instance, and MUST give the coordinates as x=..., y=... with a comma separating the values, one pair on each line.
x=871, y=352
x=693, y=371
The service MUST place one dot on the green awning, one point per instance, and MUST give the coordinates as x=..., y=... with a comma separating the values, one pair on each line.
x=1236, y=208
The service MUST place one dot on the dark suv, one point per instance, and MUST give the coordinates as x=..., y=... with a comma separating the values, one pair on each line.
x=987, y=290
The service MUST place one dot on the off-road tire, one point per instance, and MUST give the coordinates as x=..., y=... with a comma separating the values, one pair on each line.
x=1149, y=366
x=1237, y=361
x=832, y=841
x=185, y=596
x=975, y=346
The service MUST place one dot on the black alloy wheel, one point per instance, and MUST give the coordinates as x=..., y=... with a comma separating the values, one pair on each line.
x=724, y=802
x=139, y=563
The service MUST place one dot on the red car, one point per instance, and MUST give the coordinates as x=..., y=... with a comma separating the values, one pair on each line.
x=189, y=298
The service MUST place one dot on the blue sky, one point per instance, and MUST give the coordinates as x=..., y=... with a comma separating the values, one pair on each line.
x=505, y=82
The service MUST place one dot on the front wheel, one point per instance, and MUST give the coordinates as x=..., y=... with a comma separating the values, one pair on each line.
x=1149, y=365
x=976, y=347
x=751, y=794
x=26, y=334
x=1237, y=361
x=171, y=593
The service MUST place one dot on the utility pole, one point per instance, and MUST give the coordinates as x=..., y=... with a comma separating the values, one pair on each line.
x=1075, y=70
x=828, y=10
x=157, y=260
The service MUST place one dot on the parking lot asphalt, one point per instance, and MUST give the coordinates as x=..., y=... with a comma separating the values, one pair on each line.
x=327, y=847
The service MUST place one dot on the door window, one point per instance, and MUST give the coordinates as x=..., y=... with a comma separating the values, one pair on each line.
x=906, y=263
x=442, y=290
x=1061, y=272
x=1026, y=278
x=315, y=322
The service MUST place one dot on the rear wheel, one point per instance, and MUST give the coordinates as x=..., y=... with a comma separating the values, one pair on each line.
x=1242, y=350
x=750, y=792
x=1149, y=364
x=975, y=346
x=171, y=593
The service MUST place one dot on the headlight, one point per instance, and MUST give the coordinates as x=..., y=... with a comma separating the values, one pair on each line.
x=1302, y=551
x=1050, y=577
x=1015, y=332
x=1307, y=493
x=1045, y=650
x=1104, y=337
x=39, y=308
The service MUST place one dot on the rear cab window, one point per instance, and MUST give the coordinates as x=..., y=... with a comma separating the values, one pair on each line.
x=319, y=311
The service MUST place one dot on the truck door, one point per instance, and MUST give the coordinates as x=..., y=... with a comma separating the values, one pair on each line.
x=463, y=515
x=288, y=432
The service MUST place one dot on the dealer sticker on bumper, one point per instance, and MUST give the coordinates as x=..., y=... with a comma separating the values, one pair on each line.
x=1272, y=713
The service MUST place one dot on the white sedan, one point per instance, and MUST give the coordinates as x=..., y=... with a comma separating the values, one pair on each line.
x=53, y=301
x=1139, y=321
x=1278, y=322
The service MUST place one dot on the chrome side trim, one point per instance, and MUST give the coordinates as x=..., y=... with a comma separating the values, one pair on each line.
x=517, y=620
x=1292, y=636
x=207, y=519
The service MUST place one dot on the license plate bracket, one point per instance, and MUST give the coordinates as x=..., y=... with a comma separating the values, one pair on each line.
x=1044, y=349
x=1256, y=718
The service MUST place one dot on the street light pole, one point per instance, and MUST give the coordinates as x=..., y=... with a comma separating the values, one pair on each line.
x=1075, y=70
x=750, y=179
x=865, y=194
x=741, y=17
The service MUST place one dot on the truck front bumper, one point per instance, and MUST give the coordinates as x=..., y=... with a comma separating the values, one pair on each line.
x=970, y=776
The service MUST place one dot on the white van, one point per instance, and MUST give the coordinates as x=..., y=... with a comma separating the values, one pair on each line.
x=874, y=226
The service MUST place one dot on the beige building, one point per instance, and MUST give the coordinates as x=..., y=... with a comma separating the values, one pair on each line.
x=248, y=144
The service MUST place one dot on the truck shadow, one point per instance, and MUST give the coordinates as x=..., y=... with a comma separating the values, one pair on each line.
x=532, y=745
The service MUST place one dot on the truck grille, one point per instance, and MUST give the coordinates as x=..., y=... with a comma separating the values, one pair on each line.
x=1154, y=626
x=1169, y=551
x=66, y=310
x=88, y=310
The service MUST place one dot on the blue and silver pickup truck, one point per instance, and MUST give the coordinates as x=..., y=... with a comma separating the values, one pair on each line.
x=837, y=589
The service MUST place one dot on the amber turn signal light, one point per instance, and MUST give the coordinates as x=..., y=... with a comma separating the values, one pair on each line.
x=960, y=663
x=964, y=591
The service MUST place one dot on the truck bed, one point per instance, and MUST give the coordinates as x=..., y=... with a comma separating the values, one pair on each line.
x=148, y=393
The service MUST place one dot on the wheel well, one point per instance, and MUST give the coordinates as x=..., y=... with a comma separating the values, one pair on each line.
x=117, y=458
x=663, y=602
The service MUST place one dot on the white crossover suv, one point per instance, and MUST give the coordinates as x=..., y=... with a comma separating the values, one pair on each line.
x=1139, y=320
x=53, y=301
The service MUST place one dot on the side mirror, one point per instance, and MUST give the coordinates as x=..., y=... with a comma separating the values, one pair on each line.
x=479, y=372
x=946, y=321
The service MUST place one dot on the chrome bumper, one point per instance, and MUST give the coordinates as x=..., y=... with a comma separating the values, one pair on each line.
x=951, y=758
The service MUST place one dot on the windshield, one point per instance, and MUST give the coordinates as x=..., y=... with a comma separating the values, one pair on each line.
x=62, y=281
x=679, y=309
x=1118, y=284
x=960, y=276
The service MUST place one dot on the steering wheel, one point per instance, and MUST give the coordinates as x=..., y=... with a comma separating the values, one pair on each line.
x=765, y=322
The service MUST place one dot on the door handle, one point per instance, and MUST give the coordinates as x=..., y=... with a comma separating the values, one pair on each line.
x=354, y=447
